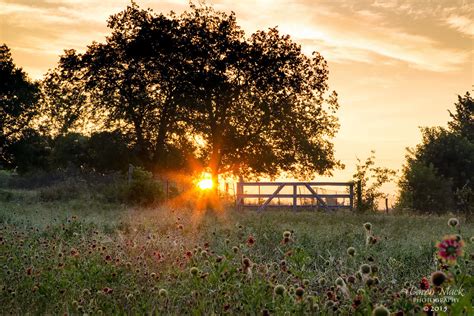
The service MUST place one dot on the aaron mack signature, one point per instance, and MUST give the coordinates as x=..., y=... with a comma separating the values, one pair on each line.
x=449, y=291
x=442, y=295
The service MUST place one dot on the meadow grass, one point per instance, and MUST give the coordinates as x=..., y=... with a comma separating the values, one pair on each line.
x=83, y=255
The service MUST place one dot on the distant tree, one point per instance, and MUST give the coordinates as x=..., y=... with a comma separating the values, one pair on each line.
x=371, y=179
x=18, y=102
x=30, y=152
x=423, y=189
x=108, y=151
x=445, y=156
x=65, y=105
x=463, y=118
x=70, y=151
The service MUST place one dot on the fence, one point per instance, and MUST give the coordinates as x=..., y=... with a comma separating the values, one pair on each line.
x=314, y=195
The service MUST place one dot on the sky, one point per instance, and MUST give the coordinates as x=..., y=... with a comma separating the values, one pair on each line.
x=396, y=65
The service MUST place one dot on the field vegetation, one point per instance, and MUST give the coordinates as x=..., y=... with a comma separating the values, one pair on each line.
x=80, y=254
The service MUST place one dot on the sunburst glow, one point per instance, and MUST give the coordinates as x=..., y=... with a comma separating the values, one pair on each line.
x=205, y=182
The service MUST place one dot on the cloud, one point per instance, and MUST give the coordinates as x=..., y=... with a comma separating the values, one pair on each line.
x=462, y=24
x=344, y=31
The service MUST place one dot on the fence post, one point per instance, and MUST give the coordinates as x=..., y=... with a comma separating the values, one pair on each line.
x=359, y=195
x=239, y=200
x=295, y=201
x=351, y=193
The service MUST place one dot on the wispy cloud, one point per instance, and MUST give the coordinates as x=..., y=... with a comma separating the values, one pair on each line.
x=344, y=31
x=461, y=23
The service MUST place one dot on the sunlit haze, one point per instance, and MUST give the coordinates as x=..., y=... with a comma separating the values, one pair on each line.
x=396, y=65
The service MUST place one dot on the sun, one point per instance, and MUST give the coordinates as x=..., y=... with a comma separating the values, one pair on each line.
x=205, y=182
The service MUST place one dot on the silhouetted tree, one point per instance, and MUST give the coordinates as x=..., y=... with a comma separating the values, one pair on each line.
x=446, y=155
x=18, y=102
x=463, y=118
x=371, y=180
x=259, y=104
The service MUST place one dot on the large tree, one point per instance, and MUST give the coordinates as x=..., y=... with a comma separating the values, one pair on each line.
x=18, y=101
x=258, y=103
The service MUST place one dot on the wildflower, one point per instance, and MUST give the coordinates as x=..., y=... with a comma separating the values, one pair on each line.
x=299, y=292
x=351, y=251
x=322, y=281
x=305, y=282
x=365, y=268
x=180, y=226
x=374, y=269
x=371, y=240
x=351, y=279
x=279, y=289
x=74, y=252
x=286, y=234
x=380, y=311
x=424, y=284
x=250, y=241
x=340, y=282
x=356, y=301
x=438, y=278
x=107, y=290
x=368, y=226
x=369, y=282
x=246, y=262
x=194, y=271
x=108, y=258
x=453, y=222
x=450, y=248
x=163, y=293
x=235, y=249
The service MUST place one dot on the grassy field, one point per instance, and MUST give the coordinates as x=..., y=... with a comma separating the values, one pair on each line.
x=85, y=256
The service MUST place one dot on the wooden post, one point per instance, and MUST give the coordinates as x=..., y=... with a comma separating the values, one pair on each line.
x=259, y=196
x=386, y=205
x=295, y=194
x=351, y=198
x=167, y=189
x=359, y=195
x=240, y=191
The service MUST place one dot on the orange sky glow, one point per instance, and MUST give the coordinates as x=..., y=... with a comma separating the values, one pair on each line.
x=395, y=64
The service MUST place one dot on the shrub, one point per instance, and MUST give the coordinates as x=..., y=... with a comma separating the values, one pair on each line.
x=143, y=189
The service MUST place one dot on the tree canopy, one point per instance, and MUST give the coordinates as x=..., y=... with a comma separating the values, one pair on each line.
x=258, y=104
x=439, y=172
x=18, y=101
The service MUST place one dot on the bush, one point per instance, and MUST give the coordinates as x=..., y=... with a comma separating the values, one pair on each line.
x=424, y=190
x=108, y=151
x=30, y=152
x=143, y=189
